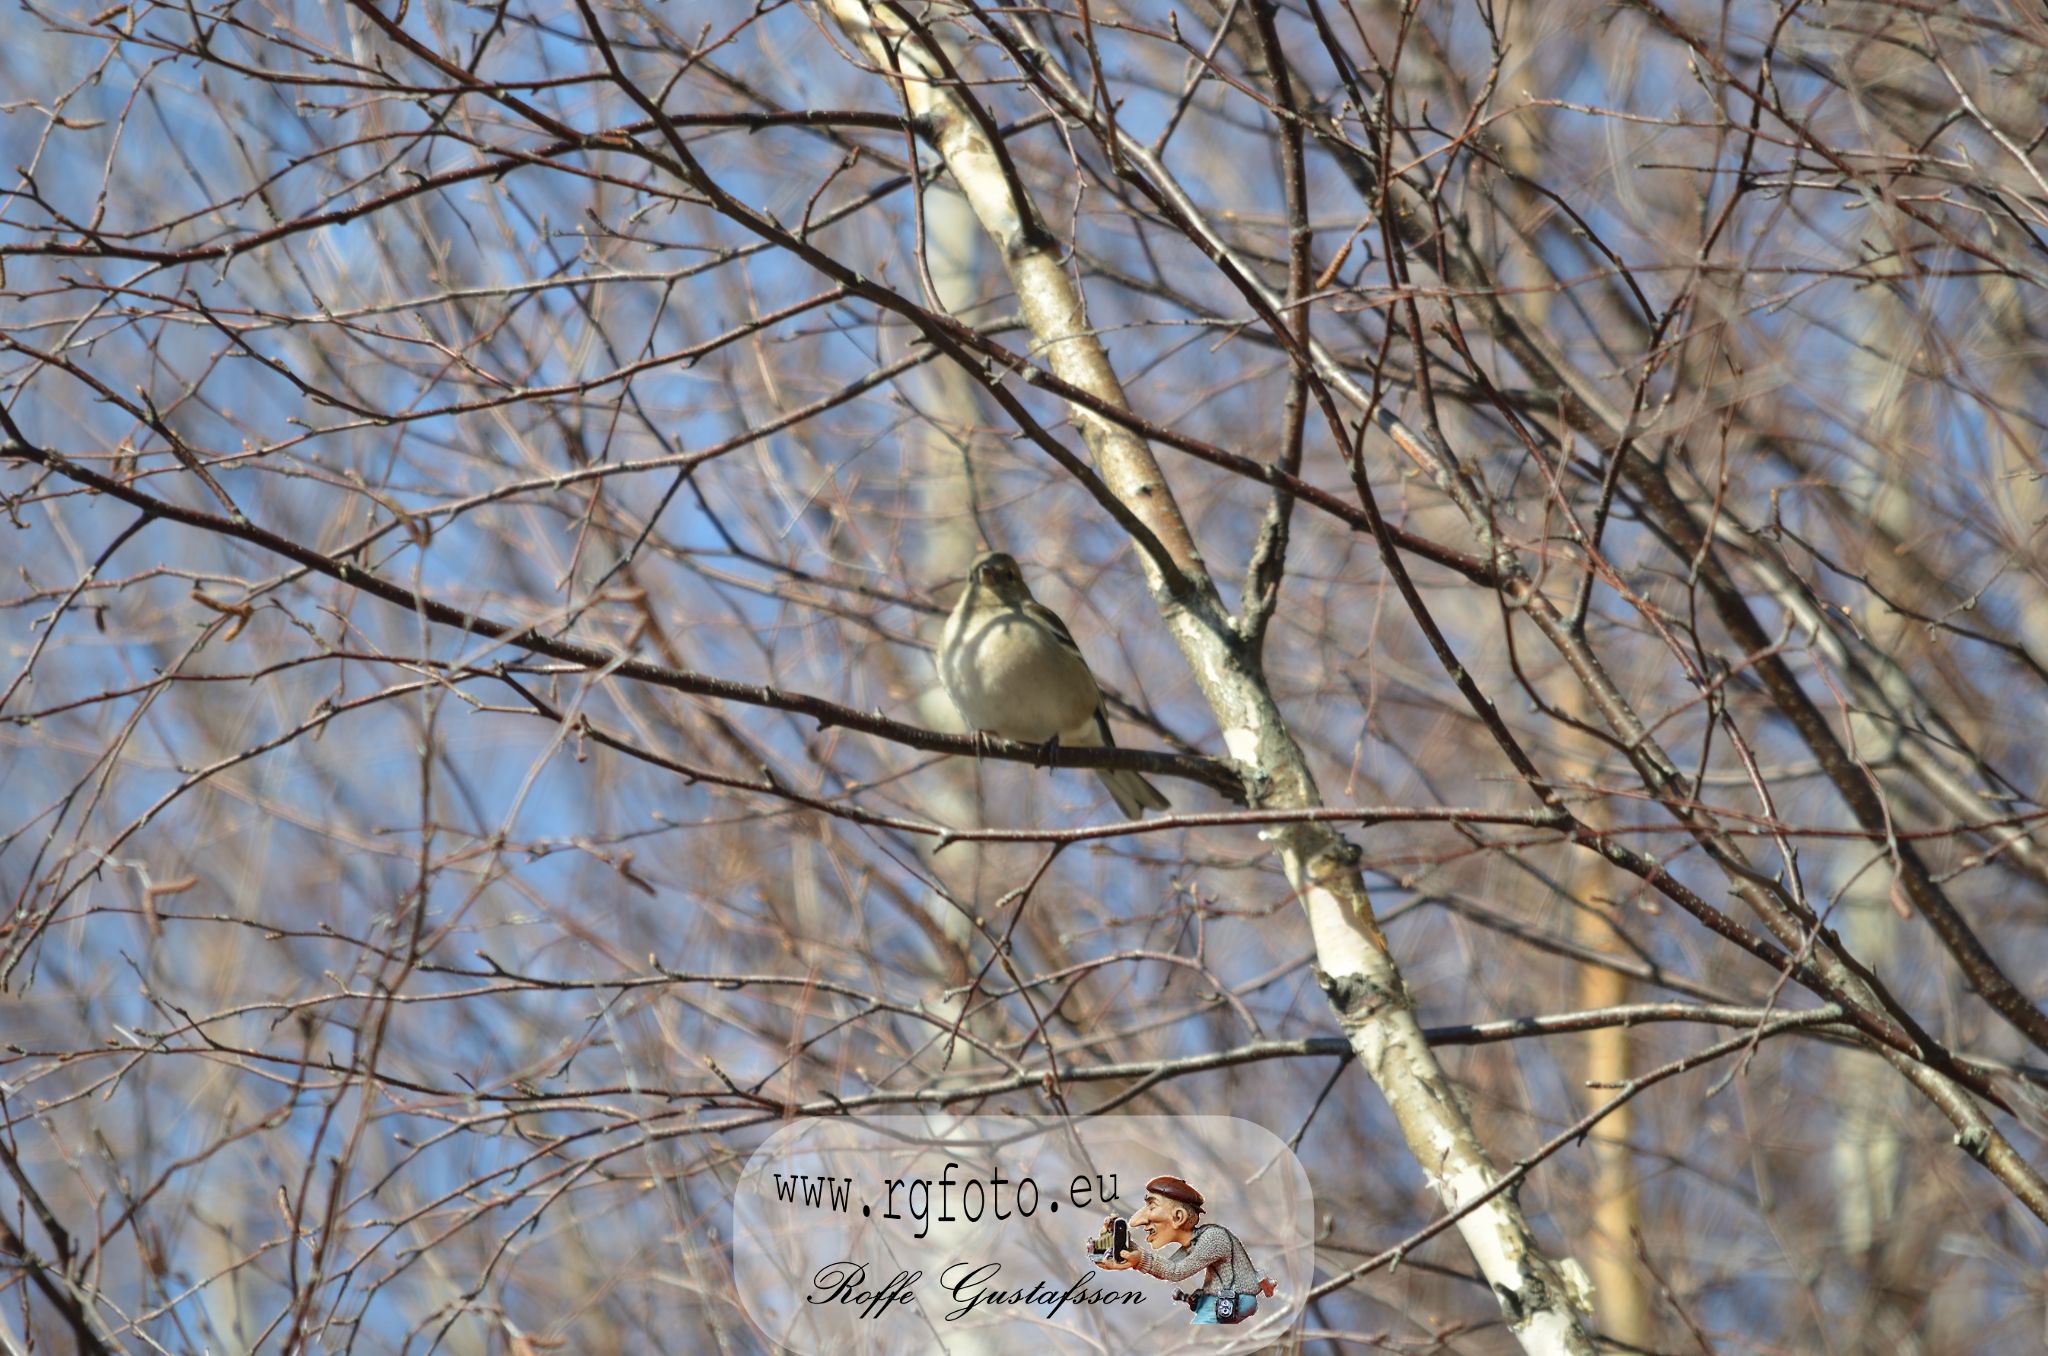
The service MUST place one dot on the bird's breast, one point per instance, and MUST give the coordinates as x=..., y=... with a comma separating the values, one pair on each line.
x=1011, y=676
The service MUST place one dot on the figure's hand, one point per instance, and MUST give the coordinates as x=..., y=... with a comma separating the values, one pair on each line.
x=1117, y=1262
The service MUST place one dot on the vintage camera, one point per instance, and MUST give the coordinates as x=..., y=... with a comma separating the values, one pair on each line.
x=1226, y=1308
x=1113, y=1242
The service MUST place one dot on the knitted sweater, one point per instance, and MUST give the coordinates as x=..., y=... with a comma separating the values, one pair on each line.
x=1214, y=1251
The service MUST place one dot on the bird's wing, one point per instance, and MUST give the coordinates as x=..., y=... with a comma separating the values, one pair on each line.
x=1050, y=620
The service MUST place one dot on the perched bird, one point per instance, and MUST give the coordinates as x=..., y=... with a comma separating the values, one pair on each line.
x=1012, y=669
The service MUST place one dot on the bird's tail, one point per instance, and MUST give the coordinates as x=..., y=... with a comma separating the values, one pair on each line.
x=1134, y=795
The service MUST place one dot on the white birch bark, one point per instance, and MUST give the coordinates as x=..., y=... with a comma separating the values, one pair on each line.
x=1354, y=967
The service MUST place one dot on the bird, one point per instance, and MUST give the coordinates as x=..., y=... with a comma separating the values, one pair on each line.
x=1012, y=669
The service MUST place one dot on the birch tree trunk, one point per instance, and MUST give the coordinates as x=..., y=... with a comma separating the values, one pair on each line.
x=1354, y=967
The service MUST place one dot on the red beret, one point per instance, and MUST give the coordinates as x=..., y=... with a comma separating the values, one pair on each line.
x=1174, y=1189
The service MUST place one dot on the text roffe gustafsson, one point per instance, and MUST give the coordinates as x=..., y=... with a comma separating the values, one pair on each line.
x=971, y=1284
x=950, y=1197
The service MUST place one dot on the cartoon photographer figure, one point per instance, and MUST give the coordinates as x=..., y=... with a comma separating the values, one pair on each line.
x=1231, y=1285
